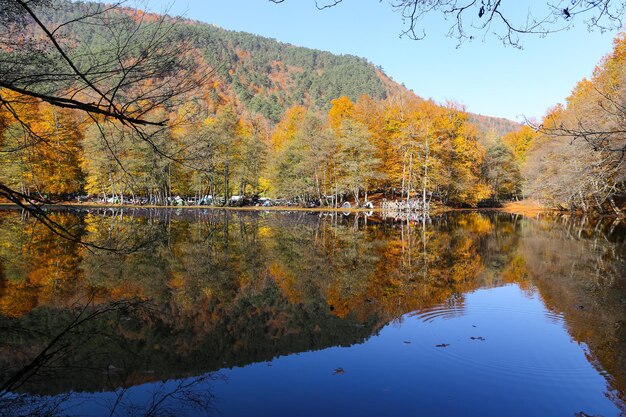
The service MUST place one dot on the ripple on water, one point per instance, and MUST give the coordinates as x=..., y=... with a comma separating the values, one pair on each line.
x=429, y=315
x=495, y=350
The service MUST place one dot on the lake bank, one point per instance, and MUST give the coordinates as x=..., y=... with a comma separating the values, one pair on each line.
x=513, y=207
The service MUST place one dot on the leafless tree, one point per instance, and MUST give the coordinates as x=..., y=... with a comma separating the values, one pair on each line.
x=112, y=77
x=599, y=119
x=472, y=19
x=132, y=64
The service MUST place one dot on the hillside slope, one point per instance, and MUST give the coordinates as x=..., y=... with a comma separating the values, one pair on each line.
x=267, y=76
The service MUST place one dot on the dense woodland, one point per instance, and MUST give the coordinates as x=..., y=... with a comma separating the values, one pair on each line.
x=310, y=127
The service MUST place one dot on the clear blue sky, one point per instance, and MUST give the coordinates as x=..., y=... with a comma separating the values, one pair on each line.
x=485, y=76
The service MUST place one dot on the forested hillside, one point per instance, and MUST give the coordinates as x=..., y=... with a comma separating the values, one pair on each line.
x=262, y=74
x=268, y=76
x=494, y=126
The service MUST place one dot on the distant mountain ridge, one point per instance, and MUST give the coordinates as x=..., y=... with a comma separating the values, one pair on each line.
x=497, y=125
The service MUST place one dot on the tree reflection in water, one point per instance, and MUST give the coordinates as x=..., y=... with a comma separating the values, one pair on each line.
x=78, y=342
x=206, y=290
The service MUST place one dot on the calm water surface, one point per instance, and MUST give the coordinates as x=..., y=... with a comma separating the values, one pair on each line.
x=309, y=314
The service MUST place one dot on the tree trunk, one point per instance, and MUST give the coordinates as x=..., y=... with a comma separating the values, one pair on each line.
x=408, y=191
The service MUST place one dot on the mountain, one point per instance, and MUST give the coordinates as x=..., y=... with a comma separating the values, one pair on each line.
x=497, y=125
x=268, y=76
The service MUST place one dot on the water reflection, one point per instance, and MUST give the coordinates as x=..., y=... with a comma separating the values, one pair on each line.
x=209, y=290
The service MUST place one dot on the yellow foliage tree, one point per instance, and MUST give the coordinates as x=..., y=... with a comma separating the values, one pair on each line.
x=519, y=142
x=341, y=109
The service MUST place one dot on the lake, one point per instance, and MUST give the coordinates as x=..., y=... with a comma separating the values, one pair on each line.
x=238, y=313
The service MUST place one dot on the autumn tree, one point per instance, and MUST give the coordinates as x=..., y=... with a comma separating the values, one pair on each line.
x=286, y=128
x=341, y=109
x=458, y=172
x=106, y=176
x=254, y=131
x=48, y=166
x=519, y=142
x=305, y=167
x=439, y=153
x=572, y=175
x=214, y=150
x=596, y=109
x=502, y=173
x=359, y=168
x=577, y=162
x=372, y=113
x=395, y=145
x=56, y=165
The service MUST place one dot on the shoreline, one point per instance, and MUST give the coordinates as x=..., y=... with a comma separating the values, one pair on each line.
x=230, y=208
x=524, y=208
x=437, y=209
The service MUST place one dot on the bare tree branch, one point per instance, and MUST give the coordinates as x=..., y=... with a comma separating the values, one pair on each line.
x=473, y=18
